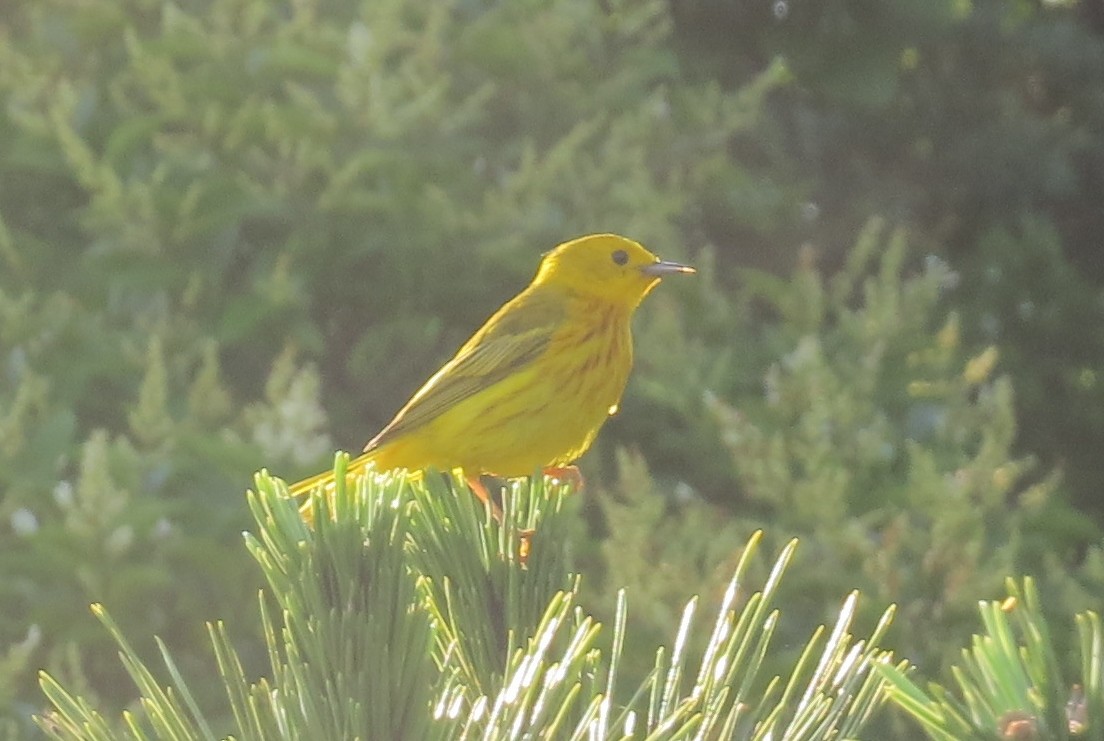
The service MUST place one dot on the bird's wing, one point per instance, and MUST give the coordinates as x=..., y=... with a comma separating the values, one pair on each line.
x=510, y=340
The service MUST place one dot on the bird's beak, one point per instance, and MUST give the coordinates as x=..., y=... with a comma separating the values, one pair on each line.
x=660, y=268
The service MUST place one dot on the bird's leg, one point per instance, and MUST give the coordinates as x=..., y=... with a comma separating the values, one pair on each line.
x=525, y=535
x=566, y=474
x=484, y=496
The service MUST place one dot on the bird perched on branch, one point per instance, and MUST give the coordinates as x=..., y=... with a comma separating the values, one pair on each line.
x=532, y=387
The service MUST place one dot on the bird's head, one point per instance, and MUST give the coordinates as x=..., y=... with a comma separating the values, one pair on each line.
x=606, y=266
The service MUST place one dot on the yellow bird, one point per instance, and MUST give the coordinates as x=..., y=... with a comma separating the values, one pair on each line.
x=532, y=387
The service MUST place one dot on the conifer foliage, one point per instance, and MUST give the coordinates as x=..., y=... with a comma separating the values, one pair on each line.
x=408, y=613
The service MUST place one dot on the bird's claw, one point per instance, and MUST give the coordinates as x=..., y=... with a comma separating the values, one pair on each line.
x=568, y=475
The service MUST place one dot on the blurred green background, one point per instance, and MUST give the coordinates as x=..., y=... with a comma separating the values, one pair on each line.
x=237, y=234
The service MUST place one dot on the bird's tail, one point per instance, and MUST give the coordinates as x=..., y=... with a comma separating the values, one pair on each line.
x=301, y=489
x=326, y=482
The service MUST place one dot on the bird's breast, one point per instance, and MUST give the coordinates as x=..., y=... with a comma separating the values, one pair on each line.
x=596, y=355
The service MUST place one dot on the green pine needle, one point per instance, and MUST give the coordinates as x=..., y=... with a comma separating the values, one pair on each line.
x=408, y=611
x=1010, y=682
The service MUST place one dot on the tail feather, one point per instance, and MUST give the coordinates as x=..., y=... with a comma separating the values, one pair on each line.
x=326, y=482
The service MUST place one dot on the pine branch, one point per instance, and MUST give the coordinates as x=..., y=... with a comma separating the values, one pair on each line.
x=406, y=612
x=1010, y=683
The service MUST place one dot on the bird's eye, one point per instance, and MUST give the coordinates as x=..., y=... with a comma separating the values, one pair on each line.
x=620, y=257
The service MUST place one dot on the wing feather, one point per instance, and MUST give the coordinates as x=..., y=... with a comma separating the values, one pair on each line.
x=510, y=340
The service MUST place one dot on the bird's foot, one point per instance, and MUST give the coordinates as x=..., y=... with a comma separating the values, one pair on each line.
x=569, y=475
x=525, y=545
